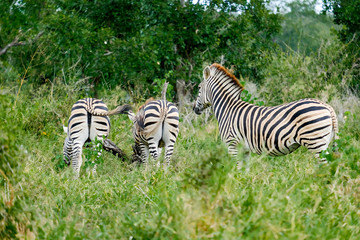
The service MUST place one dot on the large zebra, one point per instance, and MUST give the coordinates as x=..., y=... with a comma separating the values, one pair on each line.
x=156, y=125
x=275, y=130
x=88, y=120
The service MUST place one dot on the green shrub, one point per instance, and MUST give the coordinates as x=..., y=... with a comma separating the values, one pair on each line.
x=292, y=76
x=13, y=216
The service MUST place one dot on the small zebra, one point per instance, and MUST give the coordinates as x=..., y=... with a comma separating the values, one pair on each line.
x=156, y=125
x=275, y=130
x=88, y=120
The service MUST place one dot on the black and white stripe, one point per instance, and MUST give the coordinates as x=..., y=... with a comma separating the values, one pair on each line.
x=88, y=120
x=275, y=130
x=156, y=125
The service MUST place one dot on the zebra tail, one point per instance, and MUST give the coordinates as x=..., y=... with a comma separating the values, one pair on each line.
x=123, y=109
x=158, y=123
x=334, y=122
x=163, y=92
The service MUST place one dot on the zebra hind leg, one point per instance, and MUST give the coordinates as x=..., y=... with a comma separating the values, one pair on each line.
x=76, y=163
x=169, y=149
x=158, y=162
x=153, y=149
x=317, y=148
x=144, y=154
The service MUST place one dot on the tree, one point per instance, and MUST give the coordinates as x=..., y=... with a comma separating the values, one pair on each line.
x=303, y=29
x=128, y=42
x=347, y=13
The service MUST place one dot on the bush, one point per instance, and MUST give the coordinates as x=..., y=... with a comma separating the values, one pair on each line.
x=292, y=76
x=13, y=217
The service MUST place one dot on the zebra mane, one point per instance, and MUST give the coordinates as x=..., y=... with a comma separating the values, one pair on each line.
x=228, y=73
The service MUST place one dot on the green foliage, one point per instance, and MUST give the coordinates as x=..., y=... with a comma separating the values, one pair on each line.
x=131, y=43
x=303, y=30
x=343, y=145
x=93, y=154
x=211, y=169
x=325, y=75
x=59, y=162
x=13, y=219
x=201, y=195
x=247, y=97
x=347, y=13
x=158, y=85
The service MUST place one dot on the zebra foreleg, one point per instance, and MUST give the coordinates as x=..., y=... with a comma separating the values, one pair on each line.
x=246, y=159
x=233, y=151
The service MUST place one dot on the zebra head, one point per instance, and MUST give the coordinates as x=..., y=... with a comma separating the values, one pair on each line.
x=202, y=100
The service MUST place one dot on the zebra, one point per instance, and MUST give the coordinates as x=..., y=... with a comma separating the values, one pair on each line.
x=88, y=120
x=155, y=125
x=276, y=131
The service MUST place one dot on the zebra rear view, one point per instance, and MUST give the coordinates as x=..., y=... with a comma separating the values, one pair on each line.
x=156, y=125
x=88, y=120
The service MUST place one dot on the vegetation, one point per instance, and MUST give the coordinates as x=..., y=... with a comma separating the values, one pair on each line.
x=54, y=52
x=347, y=13
x=303, y=29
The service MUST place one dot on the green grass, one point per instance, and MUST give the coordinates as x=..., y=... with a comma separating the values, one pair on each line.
x=200, y=196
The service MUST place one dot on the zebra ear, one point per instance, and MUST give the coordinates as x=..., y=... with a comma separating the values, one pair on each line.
x=206, y=73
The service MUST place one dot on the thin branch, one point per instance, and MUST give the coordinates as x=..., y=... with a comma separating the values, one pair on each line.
x=12, y=44
x=16, y=42
x=112, y=148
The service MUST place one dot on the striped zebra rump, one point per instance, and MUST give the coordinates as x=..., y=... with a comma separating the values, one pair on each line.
x=277, y=130
x=84, y=126
x=156, y=125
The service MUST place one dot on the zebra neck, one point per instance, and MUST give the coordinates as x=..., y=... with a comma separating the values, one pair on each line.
x=224, y=97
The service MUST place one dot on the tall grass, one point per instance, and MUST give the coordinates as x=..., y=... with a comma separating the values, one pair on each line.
x=200, y=196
